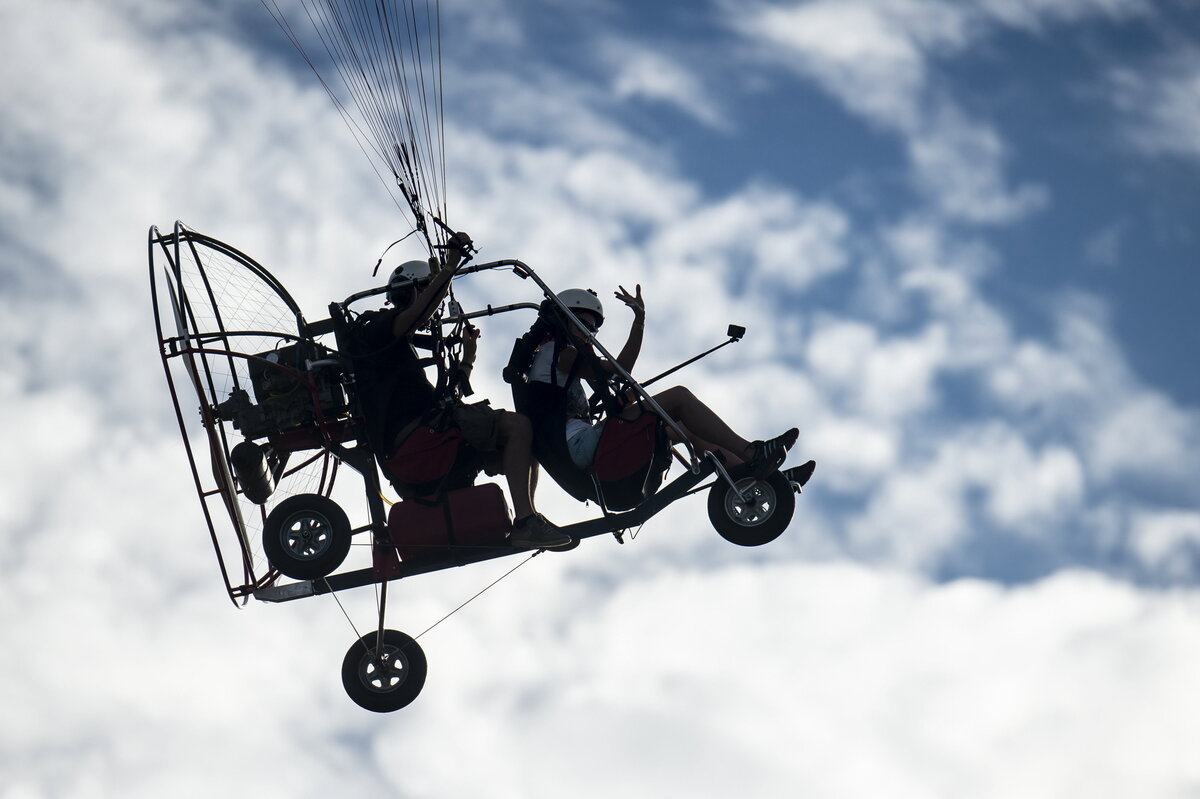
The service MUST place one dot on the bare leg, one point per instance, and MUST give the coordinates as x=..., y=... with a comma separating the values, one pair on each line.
x=530, y=530
x=700, y=445
x=683, y=406
x=516, y=438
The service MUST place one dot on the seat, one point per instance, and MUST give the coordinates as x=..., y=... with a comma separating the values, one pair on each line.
x=431, y=461
x=631, y=457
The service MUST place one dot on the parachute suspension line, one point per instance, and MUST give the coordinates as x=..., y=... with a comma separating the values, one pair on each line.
x=434, y=108
x=432, y=176
x=388, y=58
x=367, y=52
x=360, y=69
x=351, y=124
x=441, y=109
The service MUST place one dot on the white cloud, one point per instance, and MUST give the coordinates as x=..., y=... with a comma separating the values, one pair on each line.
x=1167, y=542
x=883, y=379
x=851, y=452
x=123, y=659
x=1019, y=489
x=960, y=162
x=837, y=349
x=1149, y=435
x=486, y=23
x=615, y=187
x=862, y=52
x=1029, y=665
x=1033, y=490
x=60, y=430
x=534, y=104
x=1037, y=15
x=827, y=680
x=1160, y=105
x=646, y=74
x=912, y=519
x=762, y=231
x=1103, y=247
x=877, y=57
x=1040, y=376
x=1083, y=383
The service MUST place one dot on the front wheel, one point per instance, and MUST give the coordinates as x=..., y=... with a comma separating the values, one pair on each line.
x=306, y=536
x=761, y=514
x=384, y=677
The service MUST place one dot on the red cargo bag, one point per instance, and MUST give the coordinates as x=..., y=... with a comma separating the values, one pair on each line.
x=465, y=518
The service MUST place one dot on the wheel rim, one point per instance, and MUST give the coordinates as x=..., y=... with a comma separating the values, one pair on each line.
x=385, y=671
x=758, y=505
x=306, y=536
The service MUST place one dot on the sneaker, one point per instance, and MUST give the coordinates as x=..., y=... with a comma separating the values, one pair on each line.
x=800, y=474
x=770, y=455
x=534, y=532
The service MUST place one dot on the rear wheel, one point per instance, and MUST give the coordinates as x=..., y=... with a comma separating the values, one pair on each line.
x=383, y=678
x=306, y=536
x=759, y=516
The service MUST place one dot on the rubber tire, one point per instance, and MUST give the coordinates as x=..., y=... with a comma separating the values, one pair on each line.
x=362, y=675
x=318, y=514
x=743, y=526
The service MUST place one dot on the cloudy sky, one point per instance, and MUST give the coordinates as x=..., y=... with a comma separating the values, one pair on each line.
x=962, y=238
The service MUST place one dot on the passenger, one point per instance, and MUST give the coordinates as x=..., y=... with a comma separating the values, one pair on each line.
x=555, y=363
x=396, y=395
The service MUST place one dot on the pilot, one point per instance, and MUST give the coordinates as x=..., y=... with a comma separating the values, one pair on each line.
x=395, y=394
x=554, y=362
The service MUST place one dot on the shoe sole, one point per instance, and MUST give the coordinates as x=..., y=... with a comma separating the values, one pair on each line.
x=800, y=475
x=541, y=544
x=763, y=470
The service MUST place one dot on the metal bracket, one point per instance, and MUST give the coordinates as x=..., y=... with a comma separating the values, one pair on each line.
x=720, y=469
x=284, y=593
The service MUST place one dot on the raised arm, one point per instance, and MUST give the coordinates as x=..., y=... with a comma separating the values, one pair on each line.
x=427, y=301
x=633, y=344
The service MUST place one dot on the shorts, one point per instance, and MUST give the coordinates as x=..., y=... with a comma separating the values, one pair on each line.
x=480, y=425
x=582, y=445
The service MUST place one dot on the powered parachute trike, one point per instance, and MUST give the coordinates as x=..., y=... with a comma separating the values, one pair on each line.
x=266, y=402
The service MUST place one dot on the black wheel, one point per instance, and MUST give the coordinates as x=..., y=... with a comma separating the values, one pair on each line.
x=760, y=518
x=384, y=678
x=306, y=536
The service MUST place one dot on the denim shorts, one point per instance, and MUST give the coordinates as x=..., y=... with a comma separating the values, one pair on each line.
x=582, y=445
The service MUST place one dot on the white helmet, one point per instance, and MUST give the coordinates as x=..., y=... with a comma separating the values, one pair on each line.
x=583, y=300
x=409, y=273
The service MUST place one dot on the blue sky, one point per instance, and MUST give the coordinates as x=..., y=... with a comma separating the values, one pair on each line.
x=1116, y=222
x=961, y=237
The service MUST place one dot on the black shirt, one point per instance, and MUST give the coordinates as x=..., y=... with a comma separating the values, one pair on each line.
x=392, y=387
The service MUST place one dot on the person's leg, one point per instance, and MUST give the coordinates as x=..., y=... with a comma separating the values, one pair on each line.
x=582, y=445
x=702, y=422
x=700, y=445
x=530, y=529
x=762, y=456
x=516, y=458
